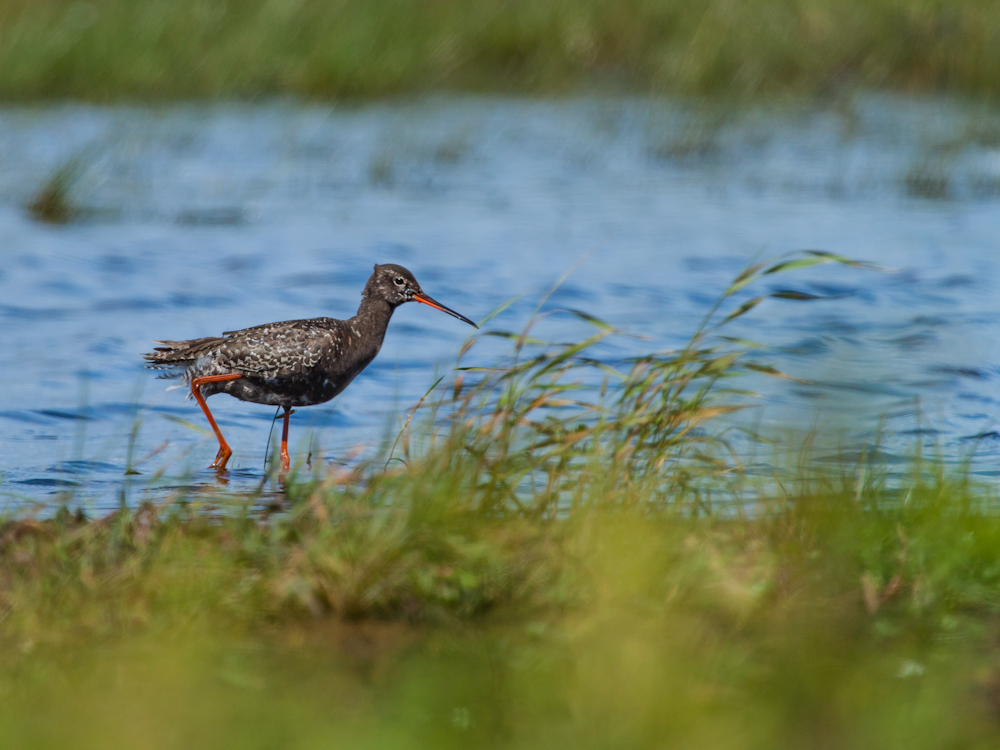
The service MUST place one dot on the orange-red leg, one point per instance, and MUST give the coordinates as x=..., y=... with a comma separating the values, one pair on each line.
x=285, y=460
x=222, y=457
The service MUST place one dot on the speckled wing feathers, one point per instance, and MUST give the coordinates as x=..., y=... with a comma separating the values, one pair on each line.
x=280, y=350
x=271, y=351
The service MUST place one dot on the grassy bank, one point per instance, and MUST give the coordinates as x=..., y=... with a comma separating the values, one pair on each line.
x=557, y=551
x=847, y=615
x=108, y=50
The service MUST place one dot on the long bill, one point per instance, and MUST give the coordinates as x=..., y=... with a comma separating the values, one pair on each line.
x=421, y=297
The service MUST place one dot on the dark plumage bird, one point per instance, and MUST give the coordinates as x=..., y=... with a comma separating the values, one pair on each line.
x=293, y=363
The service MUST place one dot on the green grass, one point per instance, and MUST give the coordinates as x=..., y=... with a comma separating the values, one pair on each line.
x=842, y=617
x=557, y=553
x=113, y=50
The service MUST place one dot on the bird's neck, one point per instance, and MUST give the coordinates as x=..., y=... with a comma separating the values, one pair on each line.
x=373, y=315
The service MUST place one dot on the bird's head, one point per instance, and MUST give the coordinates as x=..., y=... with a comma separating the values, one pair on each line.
x=396, y=285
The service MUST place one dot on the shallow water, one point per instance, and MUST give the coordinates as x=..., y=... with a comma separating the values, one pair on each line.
x=197, y=219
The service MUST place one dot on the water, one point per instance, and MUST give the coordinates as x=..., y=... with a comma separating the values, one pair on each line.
x=197, y=219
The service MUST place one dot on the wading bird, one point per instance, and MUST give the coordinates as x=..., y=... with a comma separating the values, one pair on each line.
x=292, y=363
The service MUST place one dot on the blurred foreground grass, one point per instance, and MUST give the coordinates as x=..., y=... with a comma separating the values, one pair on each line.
x=843, y=616
x=555, y=560
x=104, y=50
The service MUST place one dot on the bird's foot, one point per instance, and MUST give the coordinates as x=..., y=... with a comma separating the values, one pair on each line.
x=286, y=461
x=221, y=458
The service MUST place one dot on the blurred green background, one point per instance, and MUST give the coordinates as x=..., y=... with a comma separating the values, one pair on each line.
x=113, y=50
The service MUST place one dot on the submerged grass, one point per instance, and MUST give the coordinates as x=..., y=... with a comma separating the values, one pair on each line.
x=567, y=554
x=53, y=204
x=105, y=50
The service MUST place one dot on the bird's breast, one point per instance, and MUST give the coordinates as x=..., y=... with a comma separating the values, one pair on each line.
x=333, y=373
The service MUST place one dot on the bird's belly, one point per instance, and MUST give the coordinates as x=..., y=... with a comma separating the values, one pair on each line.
x=280, y=391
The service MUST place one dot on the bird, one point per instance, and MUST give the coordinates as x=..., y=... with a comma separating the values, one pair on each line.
x=294, y=362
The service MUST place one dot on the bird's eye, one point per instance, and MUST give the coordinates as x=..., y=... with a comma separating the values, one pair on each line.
x=399, y=281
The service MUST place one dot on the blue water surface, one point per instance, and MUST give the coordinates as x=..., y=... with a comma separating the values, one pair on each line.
x=191, y=220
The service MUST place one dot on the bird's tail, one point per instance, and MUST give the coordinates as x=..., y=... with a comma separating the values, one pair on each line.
x=177, y=358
